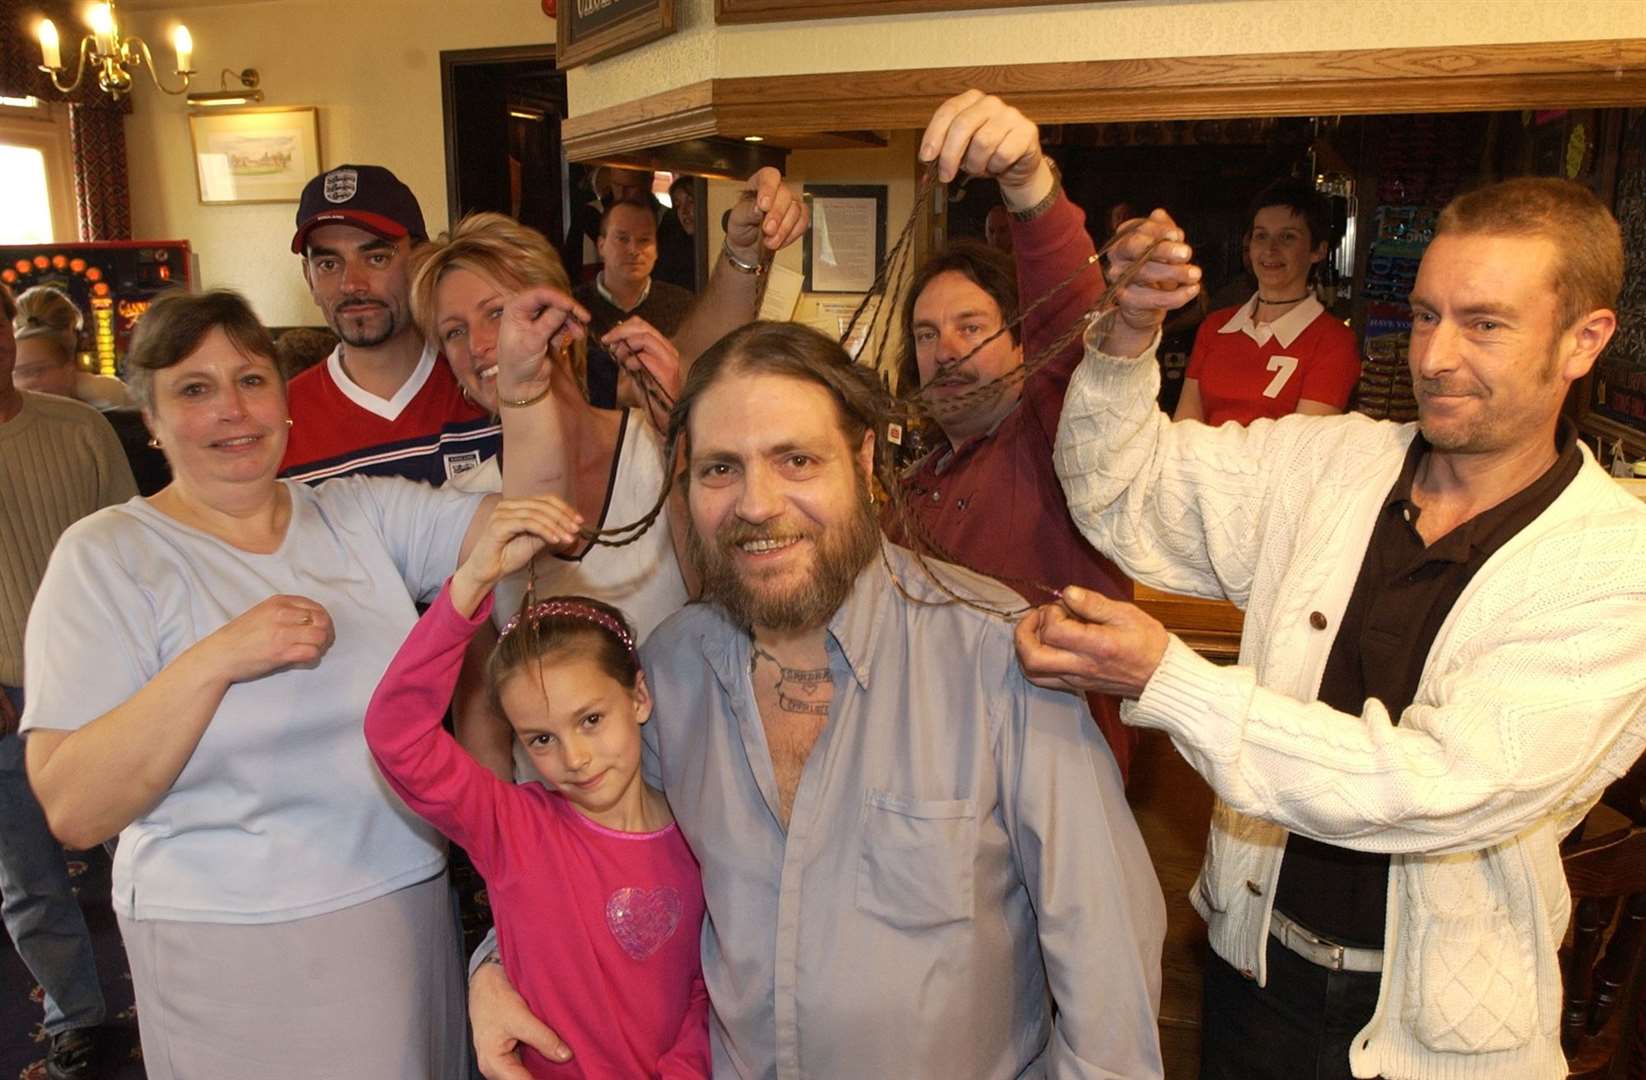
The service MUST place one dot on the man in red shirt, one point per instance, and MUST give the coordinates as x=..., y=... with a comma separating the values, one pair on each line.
x=988, y=496
x=385, y=402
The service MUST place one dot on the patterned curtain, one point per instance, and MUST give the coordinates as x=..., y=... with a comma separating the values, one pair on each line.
x=101, y=193
x=96, y=122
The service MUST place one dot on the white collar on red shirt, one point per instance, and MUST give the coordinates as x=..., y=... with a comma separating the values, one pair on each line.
x=387, y=408
x=1286, y=328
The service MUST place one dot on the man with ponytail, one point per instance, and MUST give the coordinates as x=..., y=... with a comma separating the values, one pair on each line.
x=915, y=862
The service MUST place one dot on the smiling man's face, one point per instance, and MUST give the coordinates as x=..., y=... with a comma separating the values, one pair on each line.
x=360, y=281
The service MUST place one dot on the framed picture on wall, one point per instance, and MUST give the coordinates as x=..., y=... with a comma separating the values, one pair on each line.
x=254, y=155
x=847, y=241
x=586, y=30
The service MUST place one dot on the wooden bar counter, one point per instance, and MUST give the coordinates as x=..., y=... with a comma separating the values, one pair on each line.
x=1173, y=805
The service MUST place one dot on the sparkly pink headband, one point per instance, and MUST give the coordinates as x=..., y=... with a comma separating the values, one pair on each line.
x=572, y=609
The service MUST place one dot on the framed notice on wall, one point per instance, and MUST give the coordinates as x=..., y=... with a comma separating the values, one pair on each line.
x=847, y=240
x=588, y=30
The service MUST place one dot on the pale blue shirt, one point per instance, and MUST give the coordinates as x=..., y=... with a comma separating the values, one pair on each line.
x=279, y=814
x=960, y=853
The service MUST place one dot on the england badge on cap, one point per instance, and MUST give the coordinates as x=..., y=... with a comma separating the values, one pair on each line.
x=341, y=185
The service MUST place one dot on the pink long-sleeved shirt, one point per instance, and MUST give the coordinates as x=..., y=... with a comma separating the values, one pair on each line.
x=598, y=929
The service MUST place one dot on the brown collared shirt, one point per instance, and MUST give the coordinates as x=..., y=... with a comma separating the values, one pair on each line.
x=1403, y=594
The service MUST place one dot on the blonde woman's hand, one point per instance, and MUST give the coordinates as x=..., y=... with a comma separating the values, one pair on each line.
x=537, y=324
x=516, y=530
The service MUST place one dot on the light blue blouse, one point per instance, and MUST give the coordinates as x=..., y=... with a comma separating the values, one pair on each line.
x=280, y=813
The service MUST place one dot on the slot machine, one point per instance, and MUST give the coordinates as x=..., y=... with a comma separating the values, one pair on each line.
x=113, y=282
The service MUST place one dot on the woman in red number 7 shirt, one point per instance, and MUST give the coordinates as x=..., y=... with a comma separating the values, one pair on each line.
x=1280, y=352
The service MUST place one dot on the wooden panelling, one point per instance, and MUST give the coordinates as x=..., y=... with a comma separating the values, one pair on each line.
x=1209, y=627
x=755, y=11
x=683, y=113
x=1598, y=74
x=1173, y=806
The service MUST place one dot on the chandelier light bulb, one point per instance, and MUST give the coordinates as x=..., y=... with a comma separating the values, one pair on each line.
x=51, y=54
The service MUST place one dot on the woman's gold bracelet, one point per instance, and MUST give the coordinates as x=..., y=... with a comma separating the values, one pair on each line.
x=524, y=402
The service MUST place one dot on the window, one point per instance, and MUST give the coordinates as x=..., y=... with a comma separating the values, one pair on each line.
x=36, y=174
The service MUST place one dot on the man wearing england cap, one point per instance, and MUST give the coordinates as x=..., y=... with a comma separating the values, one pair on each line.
x=385, y=402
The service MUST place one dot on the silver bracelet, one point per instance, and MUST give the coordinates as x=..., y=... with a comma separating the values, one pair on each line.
x=739, y=265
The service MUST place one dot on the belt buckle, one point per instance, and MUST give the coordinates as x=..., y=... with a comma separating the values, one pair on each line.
x=1335, y=951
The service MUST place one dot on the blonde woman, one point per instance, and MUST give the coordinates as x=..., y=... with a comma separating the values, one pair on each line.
x=47, y=327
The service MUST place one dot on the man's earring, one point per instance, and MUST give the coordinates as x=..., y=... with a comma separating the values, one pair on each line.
x=154, y=443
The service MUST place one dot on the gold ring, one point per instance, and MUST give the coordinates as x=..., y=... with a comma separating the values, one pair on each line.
x=307, y=618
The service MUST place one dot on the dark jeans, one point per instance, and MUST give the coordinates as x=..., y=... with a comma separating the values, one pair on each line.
x=38, y=903
x=1298, y=1027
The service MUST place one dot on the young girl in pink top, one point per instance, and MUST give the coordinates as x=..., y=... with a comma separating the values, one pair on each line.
x=597, y=897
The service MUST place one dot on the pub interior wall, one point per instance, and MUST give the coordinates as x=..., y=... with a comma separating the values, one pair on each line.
x=373, y=69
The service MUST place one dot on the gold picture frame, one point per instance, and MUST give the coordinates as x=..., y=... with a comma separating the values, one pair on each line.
x=254, y=155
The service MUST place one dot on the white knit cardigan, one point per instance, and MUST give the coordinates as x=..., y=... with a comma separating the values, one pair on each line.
x=1532, y=700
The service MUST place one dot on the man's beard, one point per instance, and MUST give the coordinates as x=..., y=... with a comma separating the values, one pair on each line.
x=362, y=334
x=842, y=551
x=1490, y=429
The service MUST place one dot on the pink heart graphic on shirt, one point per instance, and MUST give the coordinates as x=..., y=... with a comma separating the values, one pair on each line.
x=643, y=919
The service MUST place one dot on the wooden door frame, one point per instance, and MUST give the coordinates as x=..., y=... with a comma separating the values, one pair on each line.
x=450, y=61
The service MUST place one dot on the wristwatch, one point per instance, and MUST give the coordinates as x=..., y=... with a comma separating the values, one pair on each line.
x=1032, y=212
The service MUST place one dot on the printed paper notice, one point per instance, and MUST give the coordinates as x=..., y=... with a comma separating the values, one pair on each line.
x=843, y=244
x=782, y=293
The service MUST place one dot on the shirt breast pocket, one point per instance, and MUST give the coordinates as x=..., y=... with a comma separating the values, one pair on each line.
x=915, y=867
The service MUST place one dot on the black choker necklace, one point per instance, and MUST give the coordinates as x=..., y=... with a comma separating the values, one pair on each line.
x=1293, y=300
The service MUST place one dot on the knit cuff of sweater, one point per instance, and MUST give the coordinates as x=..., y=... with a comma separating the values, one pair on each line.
x=1188, y=697
x=1105, y=383
x=1092, y=339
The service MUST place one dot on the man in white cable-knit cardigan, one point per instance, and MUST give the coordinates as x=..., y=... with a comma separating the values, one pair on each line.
x=1443, y=665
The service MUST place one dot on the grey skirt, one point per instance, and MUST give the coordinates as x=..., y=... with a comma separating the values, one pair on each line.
x=372, y=992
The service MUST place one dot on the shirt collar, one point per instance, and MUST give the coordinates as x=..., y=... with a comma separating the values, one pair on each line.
x=385, y=408
x=944, y=456
x=1457, y=545
x=855, y=626
x=600, y=287
x=1285, y=329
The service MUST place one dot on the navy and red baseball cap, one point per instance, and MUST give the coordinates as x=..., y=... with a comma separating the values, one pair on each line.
x=368, y=196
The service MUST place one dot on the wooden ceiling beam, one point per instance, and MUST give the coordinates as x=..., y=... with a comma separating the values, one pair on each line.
x=1575, y=74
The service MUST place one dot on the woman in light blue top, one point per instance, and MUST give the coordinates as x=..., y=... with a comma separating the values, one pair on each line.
x=197, y=667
